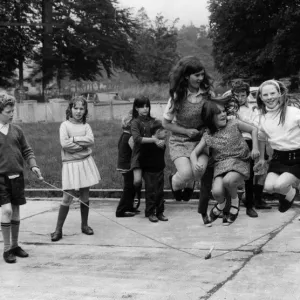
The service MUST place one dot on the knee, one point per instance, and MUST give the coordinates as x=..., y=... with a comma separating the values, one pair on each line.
x=230, y=183
x=269, y=187
x=7, y=212
x=185, y=175
x=67, y=200
x=281, y=186
x=218, y=193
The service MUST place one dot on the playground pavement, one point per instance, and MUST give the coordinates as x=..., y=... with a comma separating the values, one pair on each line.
x=131, y=258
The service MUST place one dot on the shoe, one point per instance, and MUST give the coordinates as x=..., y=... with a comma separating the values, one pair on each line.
x=9, y=257
x=18, y=251
x=153, y=218
x=56, y=236
x=161, y=217
x=187, y=193
x=232, y=217
x=251, y=212
x=87, y=230
x=263, y=205
x=284, y=204
x=176, y=194
x=126, y=214
x=225, y=222
x=206, y=221
x=212, y=215
x=136, y=211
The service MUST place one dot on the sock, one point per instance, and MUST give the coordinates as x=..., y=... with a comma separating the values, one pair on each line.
x=6, y=228
x=15, y=225
x=220, y=206
x=258, y=190
x=62, y=214
x=84, y=210
x=234, y=202
x=290, y=194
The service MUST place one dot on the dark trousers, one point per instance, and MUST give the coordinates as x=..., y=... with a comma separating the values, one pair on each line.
x=154, y=192
x=249, y=188
x=127, y=198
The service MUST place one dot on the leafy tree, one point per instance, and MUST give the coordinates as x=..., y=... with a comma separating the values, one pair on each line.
x=255, y=39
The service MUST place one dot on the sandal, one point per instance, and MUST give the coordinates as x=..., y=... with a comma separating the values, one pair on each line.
x=232, y=217
x=212, y=215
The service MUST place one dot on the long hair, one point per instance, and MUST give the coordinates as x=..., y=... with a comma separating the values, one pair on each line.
x=283, y=102
x=139, y=103
x=72, y=104
x=209, y=110
x=185, y=67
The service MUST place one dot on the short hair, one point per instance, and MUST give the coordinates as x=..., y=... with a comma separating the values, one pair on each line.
x=6, y=100
x=239, y=86
x=209, y=110
x=156, y=125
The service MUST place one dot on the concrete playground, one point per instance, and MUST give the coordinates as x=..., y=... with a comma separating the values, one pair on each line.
x=131, y=258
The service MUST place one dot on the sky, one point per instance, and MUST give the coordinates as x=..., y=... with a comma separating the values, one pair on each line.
x=188, y=11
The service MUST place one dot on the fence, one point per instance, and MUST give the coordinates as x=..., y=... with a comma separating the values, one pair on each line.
x=30, y=111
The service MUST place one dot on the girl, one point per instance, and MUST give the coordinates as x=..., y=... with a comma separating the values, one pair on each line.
x=79, y=171
x=140, y=130
x=279, y=125
x=231, y=155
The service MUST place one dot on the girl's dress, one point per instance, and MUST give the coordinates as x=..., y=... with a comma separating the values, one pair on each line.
x=229, y=150
x=188, y=116
x=78, y=166
x=140, y=127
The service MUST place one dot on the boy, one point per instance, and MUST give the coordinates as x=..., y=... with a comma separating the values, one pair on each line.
x=152, y=162
x=13, y=150
x=253, y=193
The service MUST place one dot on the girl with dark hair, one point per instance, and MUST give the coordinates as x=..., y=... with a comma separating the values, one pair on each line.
x=190, y=85
x=279, y=124
x=140, y=130
x=79, y=171
x=230, y=153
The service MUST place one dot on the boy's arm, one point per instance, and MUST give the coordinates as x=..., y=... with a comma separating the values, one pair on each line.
x=67, y=142
x=86, y=140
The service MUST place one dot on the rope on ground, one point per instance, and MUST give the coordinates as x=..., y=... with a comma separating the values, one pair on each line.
x=167, y=245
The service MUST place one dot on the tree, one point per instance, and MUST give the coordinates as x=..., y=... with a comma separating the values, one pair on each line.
x=156, y=48
x=255, y=39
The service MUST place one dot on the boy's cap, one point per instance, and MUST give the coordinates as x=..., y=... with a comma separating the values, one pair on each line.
x=6, y=99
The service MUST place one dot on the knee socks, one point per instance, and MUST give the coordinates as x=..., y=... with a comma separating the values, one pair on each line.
x=84, y=210
x=15, y=225
x=62, y=214
x=6, y=229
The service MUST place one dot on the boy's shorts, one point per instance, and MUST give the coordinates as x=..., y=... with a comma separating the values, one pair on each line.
x=12, y=190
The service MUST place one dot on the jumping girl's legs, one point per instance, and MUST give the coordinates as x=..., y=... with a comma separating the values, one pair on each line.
x=84, y=210
x=218, y=191
x=137, y=182
x=62, y=215
x=231, y=182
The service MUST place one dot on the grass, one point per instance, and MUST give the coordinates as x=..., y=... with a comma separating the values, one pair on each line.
x=44, y=139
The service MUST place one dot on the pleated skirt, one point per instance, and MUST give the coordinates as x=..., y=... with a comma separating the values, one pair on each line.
x=80, y=174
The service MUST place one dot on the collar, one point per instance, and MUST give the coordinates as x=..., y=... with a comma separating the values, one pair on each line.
x=199, y=92
x=73, y=121
x=272, y=109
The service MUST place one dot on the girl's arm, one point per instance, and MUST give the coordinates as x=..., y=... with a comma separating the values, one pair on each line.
x=254, y=133
x=66, y=142
x=197, y=151
x=179, y=129
x=136, y=135
x=86, y=140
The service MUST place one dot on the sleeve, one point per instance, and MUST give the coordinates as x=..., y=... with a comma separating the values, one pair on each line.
x=26, y=150
x=86, y=140
x=168, y=112
x=66, y=142
x=135, y=132
x=262, y=135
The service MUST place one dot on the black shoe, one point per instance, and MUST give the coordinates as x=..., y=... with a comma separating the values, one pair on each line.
x=87, y=230
x=251, y=212
x=263, y=205
x=56, y=236
x=126, y=214
x=212, y=215
x=176, y=194
x=187, y=193
x=232, y=217
x=284, y=204
x=153, y=218
x=206, y=220
x=225, y=222
x=18, y=251
x=161, y=217
x=9, y=257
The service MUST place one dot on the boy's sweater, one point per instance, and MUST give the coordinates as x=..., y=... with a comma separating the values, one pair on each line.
x=14, y=149
x=152, y=158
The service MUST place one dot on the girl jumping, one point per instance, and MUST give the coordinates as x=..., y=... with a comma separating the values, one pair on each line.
x=231, y=155
x=79, y=171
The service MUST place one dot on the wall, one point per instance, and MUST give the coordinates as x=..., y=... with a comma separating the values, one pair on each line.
x=30, y=111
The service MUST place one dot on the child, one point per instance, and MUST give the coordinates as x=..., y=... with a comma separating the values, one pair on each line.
x=125, y=206
x=231, y=155
x=13, y=150
x=140, y=130
x=246, y=113
x=79, y=171
x=152, y=162
x=280, y=126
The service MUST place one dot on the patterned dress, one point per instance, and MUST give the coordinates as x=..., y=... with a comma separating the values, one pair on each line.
x=229, y=150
